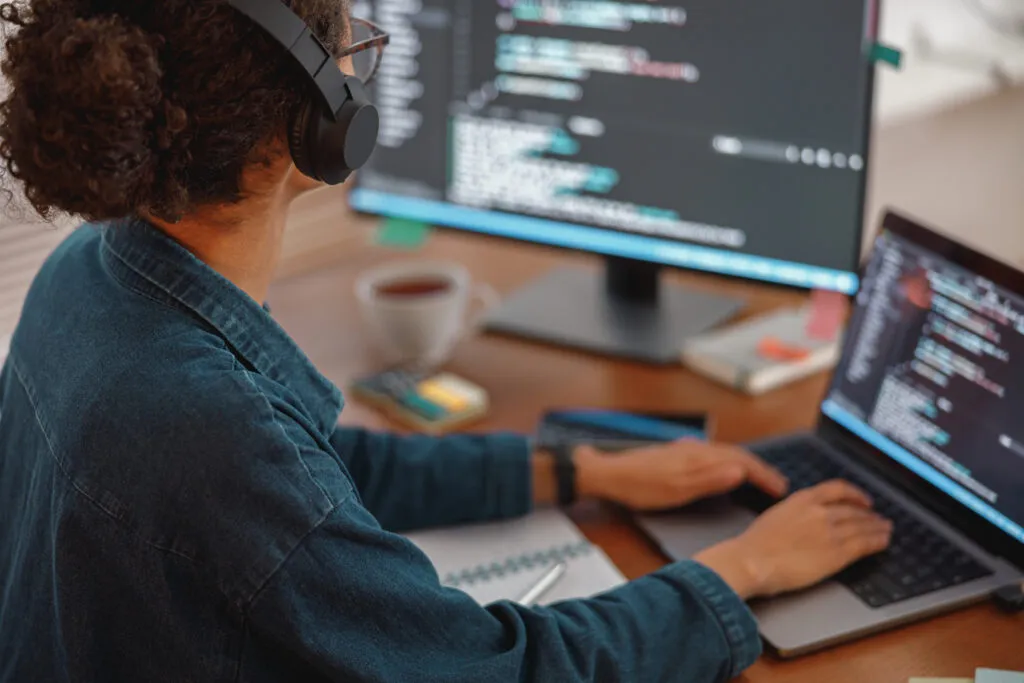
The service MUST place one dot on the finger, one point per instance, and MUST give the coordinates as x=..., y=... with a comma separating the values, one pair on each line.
x=716, y=480
x=845, y=513
x=867, y=544
x=839, y=491
x=762, y=475
x=865, y=526
x=756, y=471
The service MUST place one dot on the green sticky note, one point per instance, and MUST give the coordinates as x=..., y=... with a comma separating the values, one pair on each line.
x=887, y=54
x=402, y=233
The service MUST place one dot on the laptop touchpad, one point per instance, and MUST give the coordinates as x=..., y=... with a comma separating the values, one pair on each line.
x=685, y=532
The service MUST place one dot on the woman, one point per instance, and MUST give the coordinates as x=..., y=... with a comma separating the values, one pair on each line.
x=176, y=501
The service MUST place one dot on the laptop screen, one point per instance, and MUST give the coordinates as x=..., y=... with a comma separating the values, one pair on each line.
x=933, y=376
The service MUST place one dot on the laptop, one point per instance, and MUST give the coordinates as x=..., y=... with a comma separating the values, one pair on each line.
x=925, y=413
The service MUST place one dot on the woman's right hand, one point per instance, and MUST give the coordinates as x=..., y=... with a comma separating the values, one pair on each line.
x=810, y=536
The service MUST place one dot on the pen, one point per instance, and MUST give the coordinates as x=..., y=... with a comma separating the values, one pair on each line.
x=543, y=585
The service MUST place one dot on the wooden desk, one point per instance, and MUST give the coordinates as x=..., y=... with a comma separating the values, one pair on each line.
x=319, y=310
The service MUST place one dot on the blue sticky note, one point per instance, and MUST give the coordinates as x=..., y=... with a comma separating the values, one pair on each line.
x=994, y=676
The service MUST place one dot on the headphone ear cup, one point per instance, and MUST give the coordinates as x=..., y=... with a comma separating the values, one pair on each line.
x=329, y=149
x=337, y=147
x=299, y=138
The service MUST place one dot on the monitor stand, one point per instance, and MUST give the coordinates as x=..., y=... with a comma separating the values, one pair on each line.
x=626, y=311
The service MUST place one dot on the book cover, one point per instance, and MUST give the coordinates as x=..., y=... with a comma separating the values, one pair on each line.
x=762, y=353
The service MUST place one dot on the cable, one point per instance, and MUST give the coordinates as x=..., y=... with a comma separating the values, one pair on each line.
x=1010, y=27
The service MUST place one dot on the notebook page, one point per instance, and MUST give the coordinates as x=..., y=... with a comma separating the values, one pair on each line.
x=996, y=676
x=501, y=560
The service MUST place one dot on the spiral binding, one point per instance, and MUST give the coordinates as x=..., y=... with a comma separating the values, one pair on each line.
x=513, y=565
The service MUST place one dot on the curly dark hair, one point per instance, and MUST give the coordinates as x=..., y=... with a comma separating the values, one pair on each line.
x=122, y=107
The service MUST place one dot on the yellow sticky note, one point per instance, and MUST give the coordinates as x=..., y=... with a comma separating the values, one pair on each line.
x=443, y=395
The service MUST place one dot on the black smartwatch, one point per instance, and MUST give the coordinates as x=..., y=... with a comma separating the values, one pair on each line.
x=565, y=473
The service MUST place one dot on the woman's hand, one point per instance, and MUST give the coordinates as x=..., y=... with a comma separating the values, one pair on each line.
x=667, y=476
x=812, y=535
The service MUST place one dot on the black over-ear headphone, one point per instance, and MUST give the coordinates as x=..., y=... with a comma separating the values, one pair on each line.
x=335, y=133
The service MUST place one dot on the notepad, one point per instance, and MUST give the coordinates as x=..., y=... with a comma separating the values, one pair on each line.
x=501, y=560
x=980, y=676
x=994, y=676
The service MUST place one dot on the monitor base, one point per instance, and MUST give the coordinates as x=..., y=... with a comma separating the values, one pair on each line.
x=594, y=312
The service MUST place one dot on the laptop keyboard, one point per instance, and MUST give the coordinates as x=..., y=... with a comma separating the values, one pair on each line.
x=919, y=561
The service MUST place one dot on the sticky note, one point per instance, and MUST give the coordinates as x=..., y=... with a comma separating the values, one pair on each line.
x=827, y=315
x=452, y=392
x=887, y=54
x=443, y=395
x=994, y=676
x=402, y=233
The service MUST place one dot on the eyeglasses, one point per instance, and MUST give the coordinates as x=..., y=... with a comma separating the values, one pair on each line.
x=367, y=49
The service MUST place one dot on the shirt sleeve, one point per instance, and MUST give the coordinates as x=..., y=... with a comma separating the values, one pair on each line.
x=356, y=603
x=415, y=482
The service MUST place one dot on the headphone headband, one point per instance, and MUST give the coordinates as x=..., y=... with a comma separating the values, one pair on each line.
x=334, y=134
x=288, y=29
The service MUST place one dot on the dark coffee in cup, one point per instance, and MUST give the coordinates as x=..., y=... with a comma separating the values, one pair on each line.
x=419, y=310
x=412, y=288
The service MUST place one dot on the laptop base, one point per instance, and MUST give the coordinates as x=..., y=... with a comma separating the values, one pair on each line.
x=827, y=614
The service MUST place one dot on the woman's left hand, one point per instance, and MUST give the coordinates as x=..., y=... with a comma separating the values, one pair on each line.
x=666, y=476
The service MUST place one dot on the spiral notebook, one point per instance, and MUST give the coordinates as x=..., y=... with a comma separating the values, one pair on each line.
x=501, y=560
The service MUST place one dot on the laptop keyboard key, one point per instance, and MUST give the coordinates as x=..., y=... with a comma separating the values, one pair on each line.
x=923, y=572
x=908, y=580
x=869, y=594
x=962, y=570
x=890, y=589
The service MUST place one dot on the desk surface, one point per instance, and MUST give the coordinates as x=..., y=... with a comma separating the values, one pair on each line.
x=319, y=310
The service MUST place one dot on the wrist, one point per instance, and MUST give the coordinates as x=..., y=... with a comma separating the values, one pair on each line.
x=552, y=479
x=733, y=566
x=590, y=472
x=545, y=486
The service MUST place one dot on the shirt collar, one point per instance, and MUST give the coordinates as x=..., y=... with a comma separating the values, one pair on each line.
x=243, y=323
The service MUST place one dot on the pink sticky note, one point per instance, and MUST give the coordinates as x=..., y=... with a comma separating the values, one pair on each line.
x=777, y=350
x=827, y=315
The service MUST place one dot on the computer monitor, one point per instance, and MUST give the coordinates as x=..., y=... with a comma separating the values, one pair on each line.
x=723, y=136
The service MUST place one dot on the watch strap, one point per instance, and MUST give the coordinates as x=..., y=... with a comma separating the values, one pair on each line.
x=565, y=474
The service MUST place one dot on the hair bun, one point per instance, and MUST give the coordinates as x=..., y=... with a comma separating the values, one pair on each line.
x=86, y=104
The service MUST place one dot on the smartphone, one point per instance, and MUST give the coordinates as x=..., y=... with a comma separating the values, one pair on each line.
x=615, y=430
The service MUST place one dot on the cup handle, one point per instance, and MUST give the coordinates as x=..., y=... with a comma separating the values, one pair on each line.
x=485, y=299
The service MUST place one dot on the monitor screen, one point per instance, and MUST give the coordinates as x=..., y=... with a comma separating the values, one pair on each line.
x=726, y=136
x=933, y=376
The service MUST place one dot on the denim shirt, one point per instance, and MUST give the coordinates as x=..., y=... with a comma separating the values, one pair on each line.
x=177, y=503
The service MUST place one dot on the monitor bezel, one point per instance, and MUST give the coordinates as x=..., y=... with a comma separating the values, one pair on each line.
x=872, y=18
x=993, y=539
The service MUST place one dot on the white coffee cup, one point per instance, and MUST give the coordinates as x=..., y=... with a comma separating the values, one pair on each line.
x=419, y=310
